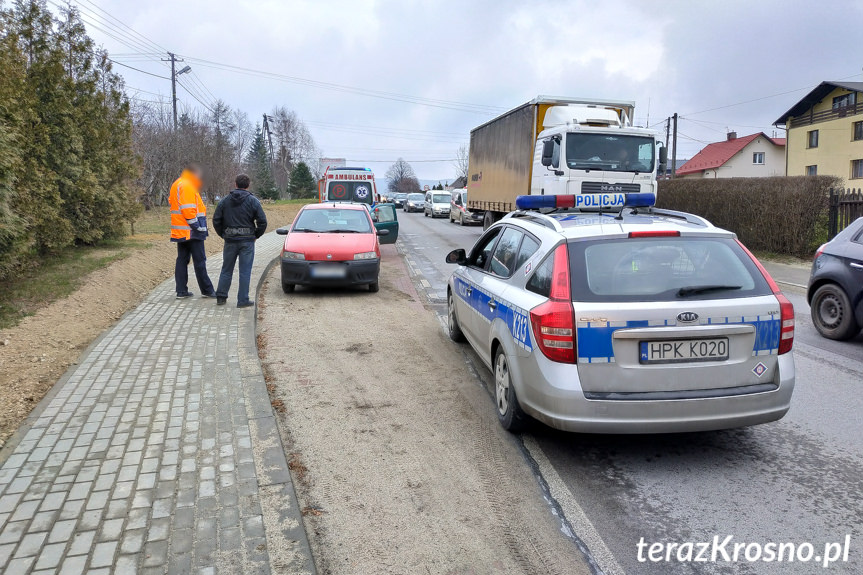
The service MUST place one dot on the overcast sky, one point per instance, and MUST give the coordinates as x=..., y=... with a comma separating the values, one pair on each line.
x=467, y=61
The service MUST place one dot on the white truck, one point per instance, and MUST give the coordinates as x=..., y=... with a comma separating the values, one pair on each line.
x=560, y=146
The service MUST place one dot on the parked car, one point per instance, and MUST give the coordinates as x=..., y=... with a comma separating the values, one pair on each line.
x=835, y=291
x=458, y=211
x=650, y=322
x=436, y=204
x=414, y=203
x=399, y=200
x=331, y=244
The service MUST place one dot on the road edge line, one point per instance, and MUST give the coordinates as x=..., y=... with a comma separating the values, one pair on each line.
x=586, y=537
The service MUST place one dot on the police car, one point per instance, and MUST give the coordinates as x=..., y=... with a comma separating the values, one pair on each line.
x=606, y=319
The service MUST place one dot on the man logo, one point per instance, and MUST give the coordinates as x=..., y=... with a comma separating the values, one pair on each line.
x=687, y=317
x=611, y=188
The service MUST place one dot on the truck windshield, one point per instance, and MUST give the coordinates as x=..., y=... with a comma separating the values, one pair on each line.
x=611, y=153
x=348, y=191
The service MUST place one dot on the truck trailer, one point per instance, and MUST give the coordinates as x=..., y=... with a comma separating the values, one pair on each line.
x=560, y=146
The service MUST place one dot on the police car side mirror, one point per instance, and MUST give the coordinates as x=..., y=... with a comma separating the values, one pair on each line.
x=547, y=152
x=458, y=256
x=383, y=232
x=282, y=231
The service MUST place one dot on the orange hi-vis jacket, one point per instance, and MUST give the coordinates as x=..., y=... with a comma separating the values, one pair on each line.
x=188, y=212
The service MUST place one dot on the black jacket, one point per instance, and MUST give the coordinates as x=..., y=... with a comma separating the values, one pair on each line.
x=240, y=217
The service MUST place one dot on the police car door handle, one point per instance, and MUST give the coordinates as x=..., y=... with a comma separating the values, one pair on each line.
x=856, y=265
x=492, y=304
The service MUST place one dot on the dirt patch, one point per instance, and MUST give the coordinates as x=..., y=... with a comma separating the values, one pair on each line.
x=36, y=352
x=396, y=453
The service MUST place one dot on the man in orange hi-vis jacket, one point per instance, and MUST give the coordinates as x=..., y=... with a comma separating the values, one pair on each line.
x=189, y=230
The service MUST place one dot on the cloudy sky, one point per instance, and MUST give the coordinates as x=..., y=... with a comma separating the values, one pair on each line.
x=378, y=80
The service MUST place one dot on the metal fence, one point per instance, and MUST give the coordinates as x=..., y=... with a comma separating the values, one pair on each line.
x=845, y=207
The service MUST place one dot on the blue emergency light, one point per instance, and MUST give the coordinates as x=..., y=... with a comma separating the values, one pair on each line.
x=584, y=201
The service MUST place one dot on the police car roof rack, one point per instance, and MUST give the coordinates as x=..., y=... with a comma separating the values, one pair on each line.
x=537, y=218
x=690, y=218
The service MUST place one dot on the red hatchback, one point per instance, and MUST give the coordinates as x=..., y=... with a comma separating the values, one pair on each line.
x=331, y=244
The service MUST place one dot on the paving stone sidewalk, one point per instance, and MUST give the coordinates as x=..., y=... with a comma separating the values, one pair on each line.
x=157, y=453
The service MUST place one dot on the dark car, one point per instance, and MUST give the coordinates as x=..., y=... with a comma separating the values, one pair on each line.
x=836, y=285
x=399, y=199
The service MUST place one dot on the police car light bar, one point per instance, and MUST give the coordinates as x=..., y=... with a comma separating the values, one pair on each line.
x=635, y=200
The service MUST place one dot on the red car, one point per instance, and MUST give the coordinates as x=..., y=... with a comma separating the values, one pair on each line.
x=331, y=244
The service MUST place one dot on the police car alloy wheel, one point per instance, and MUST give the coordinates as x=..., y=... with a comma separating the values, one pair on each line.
x=453, y=328
x=509, y=412
x=832, y=313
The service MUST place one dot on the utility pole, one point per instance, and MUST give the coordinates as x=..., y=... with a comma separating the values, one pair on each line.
x=667, y=136
x=172, y=58
x=674, y=149
x=269, y=144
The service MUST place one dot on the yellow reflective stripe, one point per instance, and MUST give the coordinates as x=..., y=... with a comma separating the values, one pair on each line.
x=180, y=228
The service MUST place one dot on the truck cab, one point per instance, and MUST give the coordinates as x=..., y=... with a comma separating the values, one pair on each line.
x=592, y=150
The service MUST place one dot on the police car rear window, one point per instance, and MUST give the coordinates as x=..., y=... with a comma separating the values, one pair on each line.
x=662, y=269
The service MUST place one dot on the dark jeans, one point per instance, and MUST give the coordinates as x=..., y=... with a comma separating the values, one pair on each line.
x=245, y=251
x=194, y=250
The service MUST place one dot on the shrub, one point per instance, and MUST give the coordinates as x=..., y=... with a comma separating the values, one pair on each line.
x=782, y=215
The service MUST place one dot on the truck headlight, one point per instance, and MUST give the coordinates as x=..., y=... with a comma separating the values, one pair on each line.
x=293, y=256
x=366, y=256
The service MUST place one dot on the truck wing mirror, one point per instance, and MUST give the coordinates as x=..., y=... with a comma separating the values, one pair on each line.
x=547, y=152
x=663, y=157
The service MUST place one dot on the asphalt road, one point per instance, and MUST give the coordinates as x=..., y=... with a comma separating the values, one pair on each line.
x=798, y=480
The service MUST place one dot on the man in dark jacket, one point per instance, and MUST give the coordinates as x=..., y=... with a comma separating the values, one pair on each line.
x=239, y=220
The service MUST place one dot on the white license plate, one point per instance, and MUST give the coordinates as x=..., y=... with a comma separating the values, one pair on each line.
x=684, y=350
x=325, y=271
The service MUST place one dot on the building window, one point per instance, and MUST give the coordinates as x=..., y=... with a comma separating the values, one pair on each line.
x=858, y=130
x=812, y=139
x=758, y=158
x=844, y=100
x=811, y=170
x=856, y=169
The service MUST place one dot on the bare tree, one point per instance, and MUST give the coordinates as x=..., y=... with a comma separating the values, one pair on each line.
x=293, y=144
x=460, y=163
x=397, y=173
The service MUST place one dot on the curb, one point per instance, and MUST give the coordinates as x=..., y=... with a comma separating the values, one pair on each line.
x=284, y=527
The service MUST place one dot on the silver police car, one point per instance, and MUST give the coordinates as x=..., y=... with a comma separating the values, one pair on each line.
x=635, y=321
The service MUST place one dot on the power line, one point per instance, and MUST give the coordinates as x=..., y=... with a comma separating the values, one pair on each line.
x=761, y=98
x=159, y=48
x=138, y=69
x=445, y=104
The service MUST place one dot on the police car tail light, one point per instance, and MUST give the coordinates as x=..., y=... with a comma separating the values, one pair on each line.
x=786, y=333
x=786, y=309
x=655, y=234
x=553, y=322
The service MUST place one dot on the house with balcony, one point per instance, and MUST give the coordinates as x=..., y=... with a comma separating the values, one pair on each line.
x=825, y=132
x=753, y=156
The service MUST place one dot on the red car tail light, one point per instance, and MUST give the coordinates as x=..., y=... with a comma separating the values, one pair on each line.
x=786, y=308
x=819, y=251
x=553, y=322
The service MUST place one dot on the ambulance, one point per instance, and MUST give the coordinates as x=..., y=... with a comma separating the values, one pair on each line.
x=348, y=184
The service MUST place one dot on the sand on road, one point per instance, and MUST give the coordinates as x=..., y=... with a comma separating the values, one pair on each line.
x=398, y=459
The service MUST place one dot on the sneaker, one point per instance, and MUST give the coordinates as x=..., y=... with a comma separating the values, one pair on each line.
x=208, y=295
x=184, y=295
x=246, y=304
x=221, y=300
